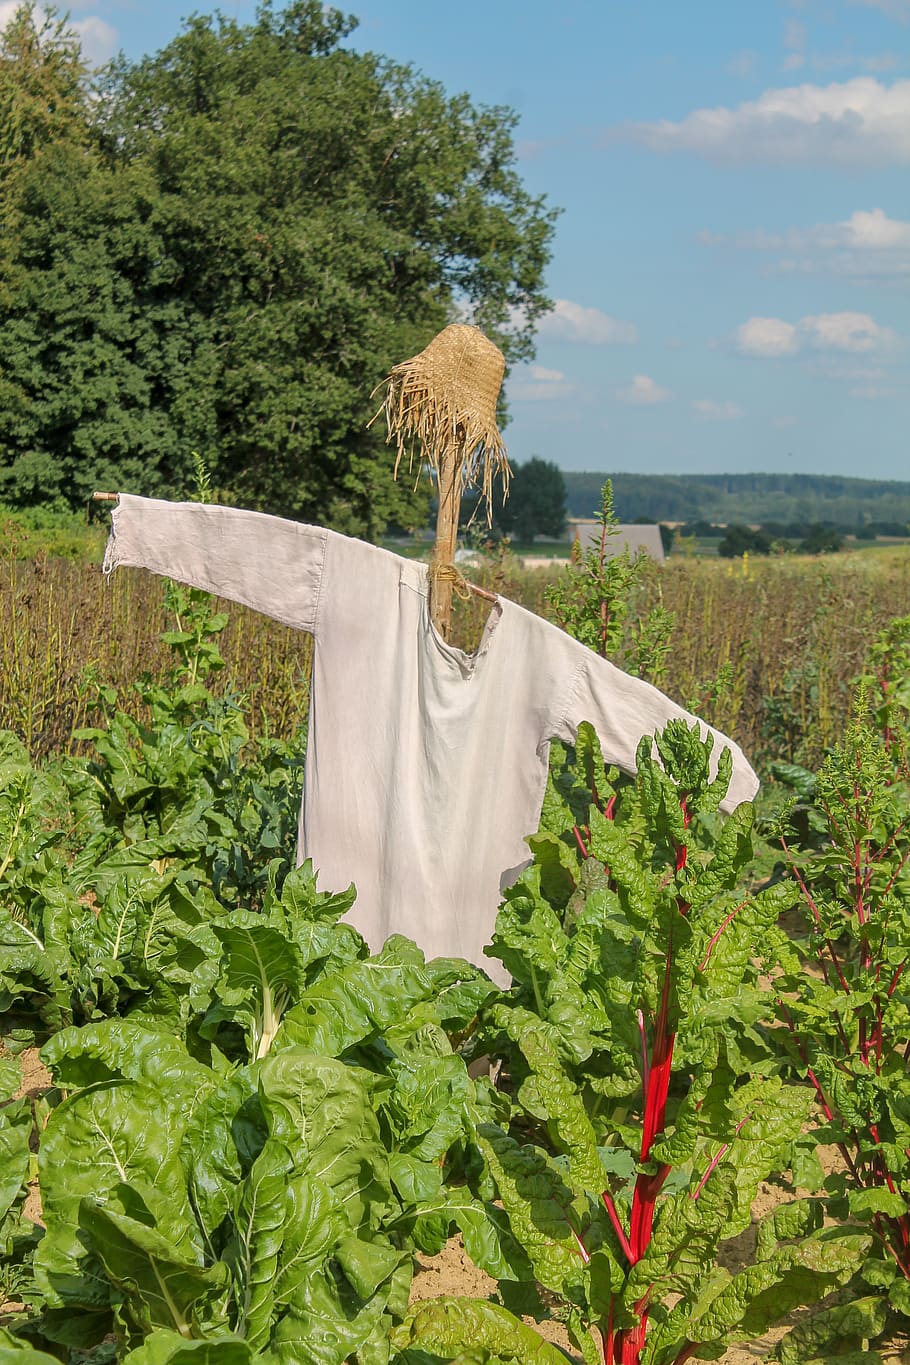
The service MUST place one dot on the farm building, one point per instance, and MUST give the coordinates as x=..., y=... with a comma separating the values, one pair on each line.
x=633, y=538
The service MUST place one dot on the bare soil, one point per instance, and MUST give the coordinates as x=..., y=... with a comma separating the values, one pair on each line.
x=36, y=1080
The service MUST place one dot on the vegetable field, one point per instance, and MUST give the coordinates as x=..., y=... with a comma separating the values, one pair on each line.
x=250, y=1127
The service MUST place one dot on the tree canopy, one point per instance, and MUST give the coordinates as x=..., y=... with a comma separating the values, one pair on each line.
x=743, y=540
x=536, y=505
x=43, y=88
x=250, y=228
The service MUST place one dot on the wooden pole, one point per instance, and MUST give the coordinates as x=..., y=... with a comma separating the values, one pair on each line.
x=449, y=490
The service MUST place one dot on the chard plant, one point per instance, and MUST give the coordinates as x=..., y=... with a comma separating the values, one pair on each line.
x=646, y=1106
x=184, y=785
x=845, y=999
x=267, y=1202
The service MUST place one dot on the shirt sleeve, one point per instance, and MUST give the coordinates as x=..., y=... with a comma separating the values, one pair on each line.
x=267, y=563
x=622, y=709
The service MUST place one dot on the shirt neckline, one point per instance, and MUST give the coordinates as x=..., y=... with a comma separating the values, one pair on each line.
x=465, y=662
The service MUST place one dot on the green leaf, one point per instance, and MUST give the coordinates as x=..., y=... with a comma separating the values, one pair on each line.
x=528, y=937
x=10, y=1077
x=209, y=1151
x=96, y=1144
x=848, y=1324
x=15, y=1351
x=315, y=1224
x=538, y=1203
x=487, y=1234
x=764, y=1292
x=877, y=1200
x=326, y=1324
x=429, y=1105
x=15, y=1135
x=261, y=1209
x=899, y=1296
x=563, y=1104
x=684, y=1241
x=367, y=1264
x=796, y=1219
x=734, y=934
x=321, y=1110
x=444, y=1326
x=558, y=867
x=122, y=1048
x=262, y=971
x=159, y=1289
x=359, y=1002
x=163, y=1347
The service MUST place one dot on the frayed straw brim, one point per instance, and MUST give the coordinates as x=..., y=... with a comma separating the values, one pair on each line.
x=444, y=400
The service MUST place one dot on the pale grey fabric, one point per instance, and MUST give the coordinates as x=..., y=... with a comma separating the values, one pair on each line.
x=425, y=766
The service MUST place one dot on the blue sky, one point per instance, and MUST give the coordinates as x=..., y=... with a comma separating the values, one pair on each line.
x=732, y=262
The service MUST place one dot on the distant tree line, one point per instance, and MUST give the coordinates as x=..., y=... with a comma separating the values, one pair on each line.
x=224, y=248
x=739, y=540
x=797, y=530
x=747, y=499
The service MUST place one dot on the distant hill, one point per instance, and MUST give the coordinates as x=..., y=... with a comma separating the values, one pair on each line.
x=749, y=498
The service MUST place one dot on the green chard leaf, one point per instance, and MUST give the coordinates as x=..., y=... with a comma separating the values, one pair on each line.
x=159, y=1289
x=262, y=973
x=539, y=1207
x=446, y=1326
x=568, y=1120
x=164, y=1347
x=321, y=1110
x=261, y=1210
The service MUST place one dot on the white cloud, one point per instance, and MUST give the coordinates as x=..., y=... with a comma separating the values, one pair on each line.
x=644, y=392
x=858, y=122
x=99, y=40
x=767, y=336
x=865, y=229
x=866, y=245
x=850, y=332
x=874, y=230
x=828, y=366
x=846, y=332
x=713, y=411
x=574, y=322
x=838, y=61
x=536, y=384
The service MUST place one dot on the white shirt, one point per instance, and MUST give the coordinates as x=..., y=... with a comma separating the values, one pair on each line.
x=425, y=766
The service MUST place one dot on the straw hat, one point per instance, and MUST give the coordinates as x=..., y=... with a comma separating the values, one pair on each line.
x=444, y=400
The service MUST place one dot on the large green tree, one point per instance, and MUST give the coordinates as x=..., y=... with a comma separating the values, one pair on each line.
x=265, y=222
